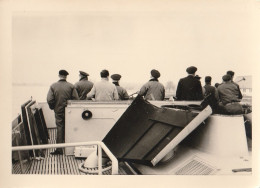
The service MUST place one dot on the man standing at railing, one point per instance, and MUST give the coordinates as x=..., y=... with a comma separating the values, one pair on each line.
x=122, y=93
x=83, y=86
x=153, y=89
x=57, y=97
x=103, y=90
x=189, y=88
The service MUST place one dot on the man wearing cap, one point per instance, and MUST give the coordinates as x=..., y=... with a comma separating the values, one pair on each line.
x=211, y=92
x=103, y=90
x=228, y=95
x=57, y=97
x=122, y=93
x=189, y=88
x=83, y=86
x=153, y=89
x=231, y=73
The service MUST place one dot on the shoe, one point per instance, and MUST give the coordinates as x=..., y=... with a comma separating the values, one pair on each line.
x=56, y=152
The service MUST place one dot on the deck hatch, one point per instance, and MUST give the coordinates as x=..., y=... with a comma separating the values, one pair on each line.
x=144, y=130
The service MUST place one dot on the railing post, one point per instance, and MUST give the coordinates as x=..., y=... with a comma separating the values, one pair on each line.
x=99, y=159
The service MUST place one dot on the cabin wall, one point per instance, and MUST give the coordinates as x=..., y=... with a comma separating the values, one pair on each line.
x=104, y=116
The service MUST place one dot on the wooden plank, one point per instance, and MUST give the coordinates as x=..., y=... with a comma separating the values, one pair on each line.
x=49, y=165
x=61, y=165
x=67, y=165
x=37, y=167
x=55, y=165
x=149, y=140
x=72, y=164
x=64, y=165
x=58, y=164
x=76, y=165
x=163, y=143
x=32, y=166
x=44, y=165
x=52, y=164
x=130, y=127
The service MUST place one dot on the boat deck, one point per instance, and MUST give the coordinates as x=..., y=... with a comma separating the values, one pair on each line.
x=57, y=164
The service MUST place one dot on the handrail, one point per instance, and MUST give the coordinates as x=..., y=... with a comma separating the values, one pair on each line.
x=99, y=143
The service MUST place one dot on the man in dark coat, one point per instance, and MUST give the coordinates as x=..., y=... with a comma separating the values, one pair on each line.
x=83, y=86
x=57, y=97
x=122, y=93
x=189, y=88
x=153, y=90
x=211, y=92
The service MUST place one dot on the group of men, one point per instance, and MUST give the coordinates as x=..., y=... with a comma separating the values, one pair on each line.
x=224, y=98
x=62, y=91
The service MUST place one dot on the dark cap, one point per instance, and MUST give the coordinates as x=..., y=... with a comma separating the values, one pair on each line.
x=63, y=73
x=208, y=79
x=226, y=77
x=104, y=73
x=231, y=73
x=155, y=73
x=191, y=70
x=116, y=76
x=83, y=73
x=197, y=77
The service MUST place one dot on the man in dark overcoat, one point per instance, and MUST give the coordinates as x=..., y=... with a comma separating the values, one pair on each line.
x=57, y=97
x=189, y=88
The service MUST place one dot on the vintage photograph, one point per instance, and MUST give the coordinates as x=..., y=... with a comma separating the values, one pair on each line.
x=116, y=88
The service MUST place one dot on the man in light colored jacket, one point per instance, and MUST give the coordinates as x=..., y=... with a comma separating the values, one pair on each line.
x=153, y=89
x=103, y=90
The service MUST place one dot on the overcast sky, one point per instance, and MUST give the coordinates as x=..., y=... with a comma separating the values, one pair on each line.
x=214, y=37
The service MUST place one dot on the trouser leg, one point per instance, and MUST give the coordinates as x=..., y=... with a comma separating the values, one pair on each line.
x=60, y=122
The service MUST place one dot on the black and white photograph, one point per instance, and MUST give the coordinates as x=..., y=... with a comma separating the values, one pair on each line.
x=153, y=93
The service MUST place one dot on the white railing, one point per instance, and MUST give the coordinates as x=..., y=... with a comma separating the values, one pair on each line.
x=100, y=145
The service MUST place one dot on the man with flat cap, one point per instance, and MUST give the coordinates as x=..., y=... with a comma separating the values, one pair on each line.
x=228, y=95
x=189, y=88
x=211, y=92
x=83, y=86
x=231, y=73
x=153, y=89
x=122, y=93
x=103, y=90
x=57, y=97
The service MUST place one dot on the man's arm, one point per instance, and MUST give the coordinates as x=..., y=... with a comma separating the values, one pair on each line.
x=179, y=90
x=125, y=94
x=51, y=99
x=92, y=92
x=115, y=93
x=75, y=95
x=143, y=90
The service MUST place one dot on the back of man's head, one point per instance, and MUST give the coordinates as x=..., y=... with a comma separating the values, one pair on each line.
x=231, y=73
x=208, y=79
x=104, y=73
